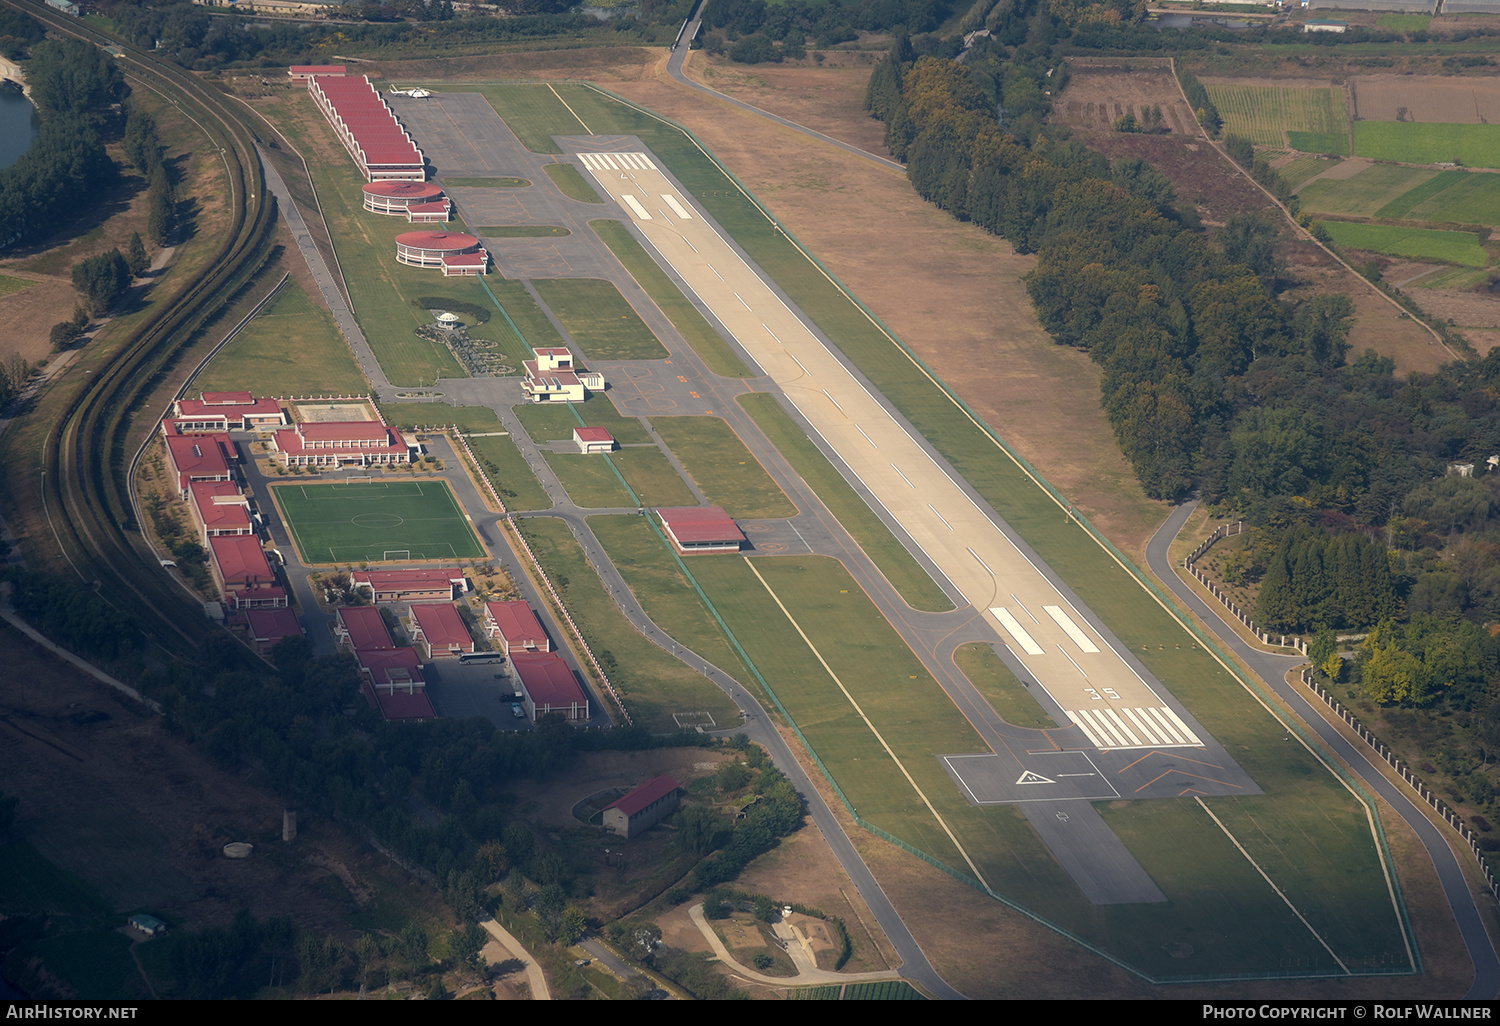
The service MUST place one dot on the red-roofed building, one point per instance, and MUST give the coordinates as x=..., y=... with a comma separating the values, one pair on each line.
x=440, y=631
x=400, y=706
x=701, y=529
x=516, y=627
x=334, y=443
x=243, y=574
x=380, y=147
x=454, y=252
x=391, y=669
x=220, y=508
x=200, y=458
x=549, y=686
x=396, y=197
x=552, y=378
x=464, y=265
x=225, y=411
x=303, y=71
x=411, y=585
x=362, y=628
x=639, y=810
x=265, y=628
x=593, y=439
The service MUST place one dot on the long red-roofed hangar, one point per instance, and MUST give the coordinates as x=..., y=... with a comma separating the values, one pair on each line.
x=701, y=529
x=368, y=129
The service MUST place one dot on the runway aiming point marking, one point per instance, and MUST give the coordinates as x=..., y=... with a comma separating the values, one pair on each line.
x=1072, y=629
x=677, y=208
x=636, y=208
x=1011, y=624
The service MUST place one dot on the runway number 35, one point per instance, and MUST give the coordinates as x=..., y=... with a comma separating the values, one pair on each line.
x=1108, y=693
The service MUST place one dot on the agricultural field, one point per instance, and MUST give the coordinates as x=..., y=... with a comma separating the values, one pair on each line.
x=1365, y=192
x=1419, y=243
x=1453, y=197
x=1303, y=168
x=1312, y=119
x=1429, y=99
x=1422, y=143
x=1099, y=94
x=600, y=320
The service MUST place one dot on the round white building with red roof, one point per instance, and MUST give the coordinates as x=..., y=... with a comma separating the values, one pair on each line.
x=431, y=248
x=395, y=197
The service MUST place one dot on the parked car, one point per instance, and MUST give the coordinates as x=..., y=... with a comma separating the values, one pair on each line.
x=517, y=711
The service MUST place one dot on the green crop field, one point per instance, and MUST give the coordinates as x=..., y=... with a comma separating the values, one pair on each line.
x=1453, y=197
x=603, y=324
x=1363, y=194
x=718, y=461
x=1315, y=834
x=10, y=284
x=291, y=347
x=1313, y=120
x=685, y=317
x=1302, y=168
x=1421, y=243
x=366, y=522
x=1426, y=143
x=1405, y=22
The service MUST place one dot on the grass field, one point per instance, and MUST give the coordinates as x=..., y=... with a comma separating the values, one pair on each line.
x=30, y=884
x=506, y=468
x=1422, y=143
x=414, y=415
x=1311, y=812
x=1313, y=120
x=570, y=181
x=718, y=461
x=1304, y=167
x=1000, y=687
x=603, y=324
x=363, y=523
x=589, y=480
x=1422, y=243
x=1363, y=194
x=10, y=284
x=291, y=347
x=1405, y=22
x=551, y=422
x=652, y=477
x=654, y=683
x=685, y=317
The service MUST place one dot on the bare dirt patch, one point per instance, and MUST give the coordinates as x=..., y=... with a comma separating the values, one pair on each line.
x=26, y=317
x=1426, y=98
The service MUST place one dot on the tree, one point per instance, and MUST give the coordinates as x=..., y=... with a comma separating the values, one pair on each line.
x=138, y=259
x=102, y=280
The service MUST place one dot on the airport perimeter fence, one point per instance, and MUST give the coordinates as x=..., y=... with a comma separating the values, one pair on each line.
x=541, y=574
x=1266, y=638
x=1379, y=747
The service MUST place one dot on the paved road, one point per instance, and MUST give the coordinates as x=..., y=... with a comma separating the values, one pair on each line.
x=1272, y=669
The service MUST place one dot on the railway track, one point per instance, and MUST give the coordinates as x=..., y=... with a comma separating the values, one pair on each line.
x=87, y=460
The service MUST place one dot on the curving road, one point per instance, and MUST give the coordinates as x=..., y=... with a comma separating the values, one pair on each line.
x=1272, y=669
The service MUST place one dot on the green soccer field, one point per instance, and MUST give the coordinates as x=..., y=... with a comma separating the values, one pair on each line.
x=376, y=522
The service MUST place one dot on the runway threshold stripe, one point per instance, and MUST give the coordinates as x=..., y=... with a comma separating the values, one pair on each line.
x=1122, y=727
x=1099, y=729
x=1177, y=722
x=677, y=208
x=1066, y=623
x=1143, y=723
x=1011, y=624
x=635, y=207
x=1083, y=724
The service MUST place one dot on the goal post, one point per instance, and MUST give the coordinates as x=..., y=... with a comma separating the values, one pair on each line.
x=391, y=555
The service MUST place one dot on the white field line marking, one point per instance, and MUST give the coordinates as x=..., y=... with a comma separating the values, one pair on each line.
x=635, y=206
x=799, y=364
x=778, y=342
x=1011, y=624
x=1072, y=628
x=716, y=274
x=935, y=815
x=1025, y=610
x=830, y=398
x=677, y=208
x=690, y=244
x=1273, y=886
x=667, y=219
x=857, y=427
x=742, y=302
x=930, y=506
x=903, y=476
x=982, y=562
x=587, y=130
x=1070, y=659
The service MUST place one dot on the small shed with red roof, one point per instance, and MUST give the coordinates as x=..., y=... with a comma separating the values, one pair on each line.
x=438, y=630
x=549, y=686
x=639, y=810
x=593, y=439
